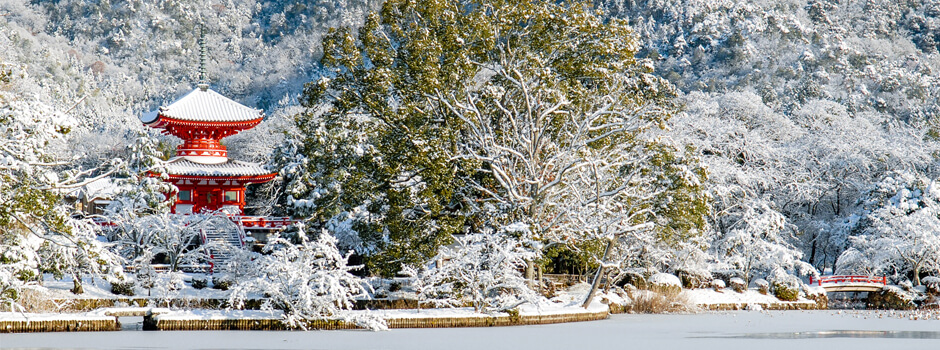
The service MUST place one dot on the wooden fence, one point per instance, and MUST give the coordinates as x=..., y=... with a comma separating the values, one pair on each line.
x=78, y=325
x=168, y=323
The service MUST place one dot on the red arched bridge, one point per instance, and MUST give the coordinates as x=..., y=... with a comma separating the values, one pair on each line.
x=850, y=283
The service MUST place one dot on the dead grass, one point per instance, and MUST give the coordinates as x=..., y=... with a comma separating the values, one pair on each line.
x=654, y=301
x=34, y=300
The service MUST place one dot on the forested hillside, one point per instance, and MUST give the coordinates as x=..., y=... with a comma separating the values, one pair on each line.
x=803, y=109
x=765, y=137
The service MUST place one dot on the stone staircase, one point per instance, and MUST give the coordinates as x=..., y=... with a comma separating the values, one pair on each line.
x=219, y=242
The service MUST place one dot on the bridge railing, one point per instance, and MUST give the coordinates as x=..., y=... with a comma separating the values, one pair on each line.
x=849, y=279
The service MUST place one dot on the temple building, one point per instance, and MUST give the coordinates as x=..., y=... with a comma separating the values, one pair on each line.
x=207, y=179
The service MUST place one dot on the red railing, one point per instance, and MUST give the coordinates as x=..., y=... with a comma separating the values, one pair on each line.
x=262, y=222
x=244, y=221
x=163, y=268
x=849, y=279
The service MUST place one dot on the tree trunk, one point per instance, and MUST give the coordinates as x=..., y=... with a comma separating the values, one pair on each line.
x=530, y=274
x=812, y=251
x=599, y=274
x=539, y=270
x=77, y=285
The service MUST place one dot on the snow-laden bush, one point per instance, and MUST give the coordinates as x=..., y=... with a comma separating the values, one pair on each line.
x=200, y=282
x=483, y=271
x=122, y=287
x=906, y=285
x=664, y=283
x=692, y=279
x=631, y=277
x=176, y=281
x=10, y=287
x=891, y=298
x=308, y=280
x=785, y=286
x=932, y=283
x=222, y=282
x=762, y=285
x=738, y=285
x=665, y=279
x=718, y=284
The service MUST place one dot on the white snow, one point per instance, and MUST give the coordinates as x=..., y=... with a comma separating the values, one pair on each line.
x=207, y=105
x=727, y=296
x=765, y=330
x=219, y=314
x=665, y=279
x=20, y=316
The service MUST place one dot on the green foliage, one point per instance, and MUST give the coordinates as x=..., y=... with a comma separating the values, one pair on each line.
x=422, y=111
x=683, y=206
x=785, y=292
x=122, y=288
x=579, y=259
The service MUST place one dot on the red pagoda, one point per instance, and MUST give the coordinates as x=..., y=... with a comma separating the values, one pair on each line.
x=207, y=179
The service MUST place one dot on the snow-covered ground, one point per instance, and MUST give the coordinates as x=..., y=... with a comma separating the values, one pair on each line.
x=100, y=289
x=728, y=296
x=724, y=330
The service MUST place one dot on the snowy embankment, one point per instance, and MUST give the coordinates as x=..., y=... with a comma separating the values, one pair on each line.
x=545, y=313
x=711, y=299
x=17, y=322
x=564, y=308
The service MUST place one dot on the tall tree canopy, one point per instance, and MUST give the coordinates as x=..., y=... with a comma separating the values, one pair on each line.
x=441, y=117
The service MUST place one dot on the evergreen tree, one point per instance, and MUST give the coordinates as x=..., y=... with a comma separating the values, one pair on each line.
x=441, y=116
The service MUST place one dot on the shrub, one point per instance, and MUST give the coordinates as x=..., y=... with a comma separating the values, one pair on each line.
x=762, y=286
x=738, y=285
x=932, y=284
x=718, y=285
x=891, y=297
x=665, y=284
x=122, y=287
x=727, y=275
x=176, y=281
x=632, y=278
x=221, y=282
x=693, y=279
x=200, y=282
x=906, y=286
x=785, y=286
x=817, y=294
x=784, y=291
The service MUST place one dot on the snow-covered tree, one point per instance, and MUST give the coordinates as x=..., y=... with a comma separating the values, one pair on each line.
x=494, y=135
x=897, y=229
x=37, y=232
x=308, y=280
x=759, y=242
x=482, y=270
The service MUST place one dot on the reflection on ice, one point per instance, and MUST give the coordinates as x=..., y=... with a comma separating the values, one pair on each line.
x=841, y=334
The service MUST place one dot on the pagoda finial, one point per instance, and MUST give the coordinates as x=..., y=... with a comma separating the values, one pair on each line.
x=203, y=81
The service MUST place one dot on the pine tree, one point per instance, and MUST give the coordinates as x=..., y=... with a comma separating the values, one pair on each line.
x=446, y=116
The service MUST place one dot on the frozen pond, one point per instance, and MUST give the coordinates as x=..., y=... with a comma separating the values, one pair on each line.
x=721, y=330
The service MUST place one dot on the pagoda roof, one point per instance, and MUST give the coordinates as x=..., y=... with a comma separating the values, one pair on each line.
x=204, y=106
x=180, y=166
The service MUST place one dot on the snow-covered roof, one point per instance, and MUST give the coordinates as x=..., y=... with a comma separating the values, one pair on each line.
x=204, y=106
x=185, y=167
x=104, y=188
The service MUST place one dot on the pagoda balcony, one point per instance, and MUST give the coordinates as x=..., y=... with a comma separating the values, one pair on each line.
x=202, y=148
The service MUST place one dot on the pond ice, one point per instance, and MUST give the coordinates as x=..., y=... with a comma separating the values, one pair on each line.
x=765, y=330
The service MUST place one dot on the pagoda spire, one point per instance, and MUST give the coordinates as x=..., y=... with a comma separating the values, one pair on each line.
x=203, y=80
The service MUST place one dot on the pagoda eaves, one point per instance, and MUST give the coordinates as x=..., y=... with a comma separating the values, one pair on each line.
x=206, y=178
